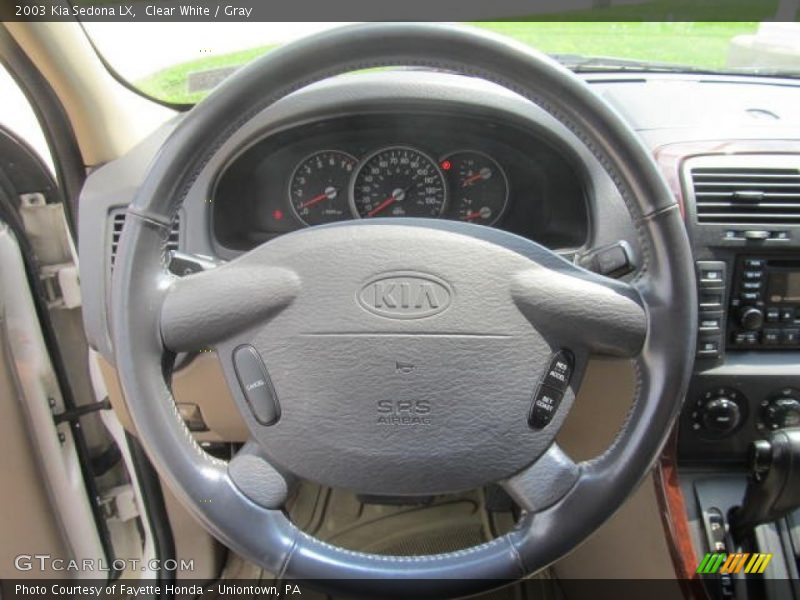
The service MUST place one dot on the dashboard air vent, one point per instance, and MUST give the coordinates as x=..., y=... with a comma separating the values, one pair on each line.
x=118, y=221
x=747, y=195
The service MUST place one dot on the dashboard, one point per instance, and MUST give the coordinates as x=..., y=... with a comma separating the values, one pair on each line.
x=441, y=165
x=436, y=145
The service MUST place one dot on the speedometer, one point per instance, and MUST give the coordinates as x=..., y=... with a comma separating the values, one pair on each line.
x=398, y=182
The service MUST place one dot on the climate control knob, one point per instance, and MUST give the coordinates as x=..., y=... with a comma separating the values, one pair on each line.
x=782, y=410
x=719, y=412
x=721, y=416
x=751, y=318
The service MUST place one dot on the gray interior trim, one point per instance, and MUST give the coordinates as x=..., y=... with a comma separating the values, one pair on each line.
x=545, y=481
x=257, y=479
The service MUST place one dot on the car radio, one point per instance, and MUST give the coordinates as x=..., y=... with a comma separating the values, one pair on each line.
x=765, y=303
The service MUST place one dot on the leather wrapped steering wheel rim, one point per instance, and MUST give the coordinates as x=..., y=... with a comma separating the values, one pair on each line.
x=152, y=312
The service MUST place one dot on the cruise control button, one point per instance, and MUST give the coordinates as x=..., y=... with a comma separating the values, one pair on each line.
x=560, y=371
x=545, y=405
x=256, y=385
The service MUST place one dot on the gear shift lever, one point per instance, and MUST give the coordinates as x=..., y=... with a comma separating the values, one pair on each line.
x=774, y=487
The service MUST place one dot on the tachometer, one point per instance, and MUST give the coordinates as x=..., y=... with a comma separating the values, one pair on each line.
x=318, y=187
x=478, y=187
x=398, y=182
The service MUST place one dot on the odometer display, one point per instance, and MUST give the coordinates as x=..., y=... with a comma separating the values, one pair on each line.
x=398, y=182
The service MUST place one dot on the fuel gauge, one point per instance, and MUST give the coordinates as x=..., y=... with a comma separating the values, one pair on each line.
x=478, y=187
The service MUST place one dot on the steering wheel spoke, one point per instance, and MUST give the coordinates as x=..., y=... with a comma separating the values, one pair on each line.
x=210, y=306
x=256, y=478
x=602, y=315
x=544, y=482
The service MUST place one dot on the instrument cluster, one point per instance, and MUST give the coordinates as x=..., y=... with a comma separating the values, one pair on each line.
x=398, y=181
x=465, y=167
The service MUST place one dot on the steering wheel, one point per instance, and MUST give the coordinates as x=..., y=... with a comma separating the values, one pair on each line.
x=354, y=353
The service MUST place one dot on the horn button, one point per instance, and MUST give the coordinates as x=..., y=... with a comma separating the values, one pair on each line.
x=403, y=365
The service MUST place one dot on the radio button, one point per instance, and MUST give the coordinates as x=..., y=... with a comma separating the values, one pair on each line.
x=746, y=338
x=791, y=337
x=751, y=285
x=752, y=275
x=771, y=337
x=750, y=296
x=754, y=263
x=787, y=315
x=772, y=314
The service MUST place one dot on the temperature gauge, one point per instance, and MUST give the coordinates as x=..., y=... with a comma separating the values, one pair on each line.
x=478, y=187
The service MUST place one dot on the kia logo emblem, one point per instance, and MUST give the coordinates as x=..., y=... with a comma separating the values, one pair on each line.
x=405, y=295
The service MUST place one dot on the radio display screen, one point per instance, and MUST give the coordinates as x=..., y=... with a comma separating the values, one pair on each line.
x=784, y=286
x=792, y=287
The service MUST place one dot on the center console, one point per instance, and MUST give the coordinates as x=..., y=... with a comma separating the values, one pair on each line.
x=742, y=212
x=748, y=376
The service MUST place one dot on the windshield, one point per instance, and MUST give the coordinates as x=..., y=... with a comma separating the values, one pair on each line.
x=182, y=62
